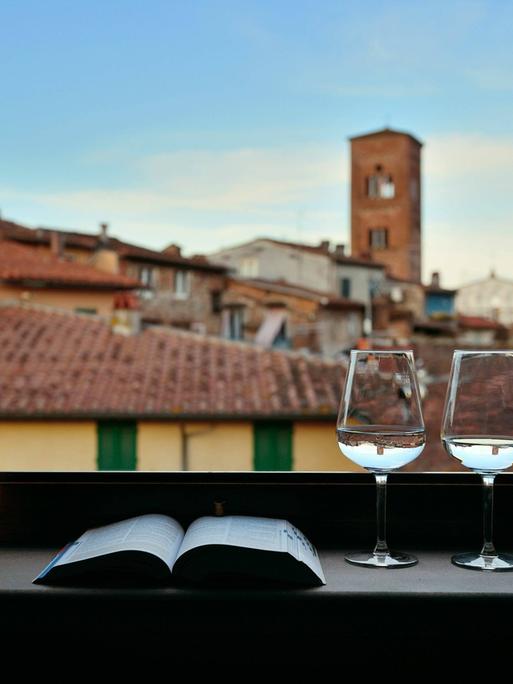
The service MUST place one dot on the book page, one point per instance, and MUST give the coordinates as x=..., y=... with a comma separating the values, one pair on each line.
x=157, y=534
x=301, y=548
x=266, y=534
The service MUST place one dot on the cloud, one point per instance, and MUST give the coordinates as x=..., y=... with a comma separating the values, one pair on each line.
x=215, y=181
x=243, y=178
x=468, y=220
x=206, y=199
x=462, y=154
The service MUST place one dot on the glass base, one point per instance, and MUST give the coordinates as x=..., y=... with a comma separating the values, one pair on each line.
x=389, y=560
x=503, y=562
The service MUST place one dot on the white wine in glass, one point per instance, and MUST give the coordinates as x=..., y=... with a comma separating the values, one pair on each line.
x=380, y=427
x=477, y=429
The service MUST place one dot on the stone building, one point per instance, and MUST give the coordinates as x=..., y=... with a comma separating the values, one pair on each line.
x=386, y=201
x=321, y=267
x=177, y=291
x=37, y=277
x=277, y=314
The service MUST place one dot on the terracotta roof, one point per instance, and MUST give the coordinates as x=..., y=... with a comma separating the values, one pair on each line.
x=406, y=281
x=282, y=286
x=130, y=251
x=91, y=241
x=19, y=263
x=55, y=364
x=356, y=261
x=478, y=323
x=317, y=249
x=320, y=249
x=386, y=131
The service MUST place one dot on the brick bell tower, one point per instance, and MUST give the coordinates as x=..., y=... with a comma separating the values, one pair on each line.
x=385, y=201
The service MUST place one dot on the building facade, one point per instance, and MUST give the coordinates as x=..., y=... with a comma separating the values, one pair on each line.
x=439, y=301
x=297, y=263
x=34, y=276
x=321, y=267
x=277, y=314
x=386, y=201
x=490, y=298
x=176, y=290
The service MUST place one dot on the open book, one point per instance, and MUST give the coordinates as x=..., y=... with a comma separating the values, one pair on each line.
x=213, y=548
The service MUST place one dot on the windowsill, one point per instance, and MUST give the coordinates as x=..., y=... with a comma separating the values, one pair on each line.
x=358, y=611
x=400, y=613
x=434, y=576
x=179, y=296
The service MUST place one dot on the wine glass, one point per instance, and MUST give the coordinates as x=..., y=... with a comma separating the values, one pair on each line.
x=380, y=427
x=477, y=429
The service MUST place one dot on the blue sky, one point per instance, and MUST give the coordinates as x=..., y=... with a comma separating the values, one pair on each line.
x=211, y=122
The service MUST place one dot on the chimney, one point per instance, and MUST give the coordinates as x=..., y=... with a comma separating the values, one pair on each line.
x=55, y=243
x=103, y=238
x=340, y=250
x=435, y=279
x=172, y=250
x=324, y=245
x=105, y=258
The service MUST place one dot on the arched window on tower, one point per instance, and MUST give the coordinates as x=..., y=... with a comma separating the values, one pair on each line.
x=380, y=185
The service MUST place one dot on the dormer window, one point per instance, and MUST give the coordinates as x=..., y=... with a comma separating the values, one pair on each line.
x=380, y=185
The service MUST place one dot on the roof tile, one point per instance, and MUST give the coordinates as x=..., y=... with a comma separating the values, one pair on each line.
x=22, y=263
x=64, y=364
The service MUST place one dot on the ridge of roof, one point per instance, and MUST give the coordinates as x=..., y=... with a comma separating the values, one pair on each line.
x=285, y=287
x=19, y=263
x=91, y=241
x=386, y=131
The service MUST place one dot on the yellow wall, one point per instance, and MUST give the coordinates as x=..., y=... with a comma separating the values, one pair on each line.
x=211, y=446
x=220, y=446
x=43, y=445
x=158, y=446
x=314, y=447
x=102, y=301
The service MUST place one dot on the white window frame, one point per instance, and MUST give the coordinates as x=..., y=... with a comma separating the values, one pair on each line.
x=182, y=284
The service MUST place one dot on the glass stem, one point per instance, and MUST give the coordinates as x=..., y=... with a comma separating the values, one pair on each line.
x=488, y=547
x=381, y=548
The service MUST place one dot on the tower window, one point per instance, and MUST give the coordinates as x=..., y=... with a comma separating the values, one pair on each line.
x=378, y=238
x=380, y=185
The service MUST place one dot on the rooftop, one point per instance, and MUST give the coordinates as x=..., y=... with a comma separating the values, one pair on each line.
x=322, y=249
x=91, y=242
x=57, y=364
x=386, y=132
x=478, y=323
x=281, y=286
x=20, y=263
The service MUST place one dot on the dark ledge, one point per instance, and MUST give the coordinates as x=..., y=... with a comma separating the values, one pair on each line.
x=434, y=606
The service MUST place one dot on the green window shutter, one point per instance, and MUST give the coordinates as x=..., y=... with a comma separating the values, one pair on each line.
x=272, y=445
x=117, y=445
